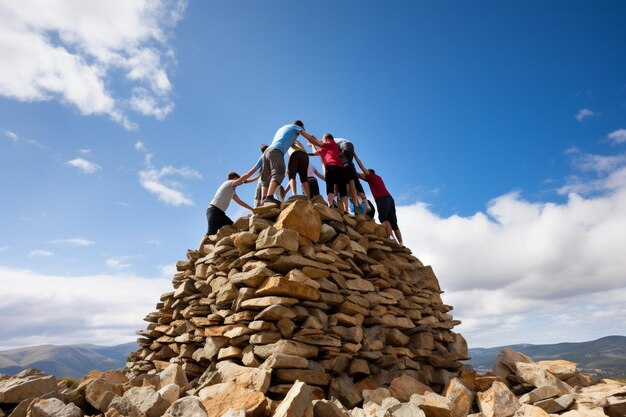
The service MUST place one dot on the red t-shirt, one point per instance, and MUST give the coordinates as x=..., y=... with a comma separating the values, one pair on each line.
x=330, y=154
x=376, y=185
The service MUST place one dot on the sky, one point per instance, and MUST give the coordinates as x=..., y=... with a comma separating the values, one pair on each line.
x=499, y=128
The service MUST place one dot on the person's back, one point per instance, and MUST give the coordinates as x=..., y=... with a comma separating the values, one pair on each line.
x=285, y=137
x=377, y=185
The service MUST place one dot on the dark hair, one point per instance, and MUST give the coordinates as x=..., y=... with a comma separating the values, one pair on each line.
x=328, y=136
x=371, y=170
x=233, y=176
x=299, y=123
x=263, y=148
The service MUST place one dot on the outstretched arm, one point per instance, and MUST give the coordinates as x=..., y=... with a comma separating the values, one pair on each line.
x=365, y=170
x=312, y=139
x=243, y=178
x=241, y=202
x=252, y=179
x=320, y=176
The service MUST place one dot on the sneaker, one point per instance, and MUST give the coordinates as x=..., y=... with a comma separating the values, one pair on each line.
x=361, y=209
x=271, y=199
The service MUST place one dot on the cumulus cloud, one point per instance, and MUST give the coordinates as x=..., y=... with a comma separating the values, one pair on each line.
x=118, y=262
x=532, y=271
x=111, y=307
x=66, y=51
x=76, y=241
x=158, y=181
x=84, y=165
x=11, y=135
x=168, y=271
x=40, y=253
x=618, y=136
x=584, y=114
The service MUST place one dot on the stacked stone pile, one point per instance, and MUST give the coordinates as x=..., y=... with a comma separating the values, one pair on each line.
x=303, y=293
x=517, y=387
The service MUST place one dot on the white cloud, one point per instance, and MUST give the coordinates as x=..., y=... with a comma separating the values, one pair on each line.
x=118, y=262
x=11, y=135
x=154, y=242
x=40, y=253
x=67, y=51
x=77, y=241
x=158, y=180
x=530, y=260
x=584, y=114
x=618, y=136
x=111, y=307
x=84, y=151
x=4, y=248
x=168, y=271
x=85, y=166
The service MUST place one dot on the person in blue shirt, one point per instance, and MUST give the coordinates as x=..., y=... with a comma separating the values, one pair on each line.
x=273, y=170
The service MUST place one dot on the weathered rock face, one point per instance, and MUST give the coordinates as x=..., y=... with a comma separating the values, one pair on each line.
x=310, y=294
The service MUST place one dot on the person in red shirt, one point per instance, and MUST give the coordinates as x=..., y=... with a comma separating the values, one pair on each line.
x=384, y=201
x=335, y=172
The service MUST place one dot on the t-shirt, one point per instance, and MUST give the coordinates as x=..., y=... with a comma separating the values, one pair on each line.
x=285, y=137
x=223, y=195
x=376, y=185
x=341, y=141
x=310, y=172
x=330, y=154
x=259, y=163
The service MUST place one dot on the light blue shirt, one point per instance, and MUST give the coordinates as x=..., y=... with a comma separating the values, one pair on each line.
x=285, y=137
x=259, y=163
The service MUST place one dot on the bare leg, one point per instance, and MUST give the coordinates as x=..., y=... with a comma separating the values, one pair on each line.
x=346, y=206
x=272, y=188
x=388, y=229
x=331, y=197
x=306, y=189
x=293, y=186
x=398, y=236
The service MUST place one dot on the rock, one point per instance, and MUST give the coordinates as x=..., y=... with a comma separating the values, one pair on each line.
x=297, y=402
x=376, y=395
x=256, y=379
x=301, y=217
x=235, y=397
x=538, y=394
x=404, y=386
x=432, y=404
x=498, y=401
x=344, y=390
x=559, y=368
x=287, y=347
x=327, y=213
x=308, y=376
x=212, y=346
x=186, y=407
x=556, y=405
x=275, y=313
x=536, y=376
x=325, y=408
x=460, y=397
x=506, y=362
x=173, y=374
x=53, y=407
x=99, y=393
x=140, y=402
x=615, y=407
x=326, y=234
x=407, y=410
x=283, y=287
x=527, y=410
x=170, y=392
x=282, y=361
x=30, y=383
x=261, y=303
x=274, y=238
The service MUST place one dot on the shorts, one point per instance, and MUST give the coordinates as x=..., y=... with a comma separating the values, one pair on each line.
x=358, y=186
x=313, y=187
x=387, y=211
x=336, y=176
x=216, y=218
x=298, y=164
x=350, y=172
x=273, y=168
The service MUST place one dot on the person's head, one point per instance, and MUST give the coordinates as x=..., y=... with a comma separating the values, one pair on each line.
x=327, y=137
x=233, y=176
x=263, y=148
x=371, y=170
x=299, y=123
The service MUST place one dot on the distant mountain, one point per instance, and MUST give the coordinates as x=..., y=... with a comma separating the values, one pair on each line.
x=67, y=360
x=606, y=356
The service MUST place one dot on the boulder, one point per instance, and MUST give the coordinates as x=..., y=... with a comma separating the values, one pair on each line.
x=186, y=407
x=460, y=397
x=30, y=383
x=235, y=397
x=297, y=402
x=404, y=386
x=140, y=402
x=301, y=217
x=498, y=401
x=173, y=374
x=53, y=407
x=274, y=238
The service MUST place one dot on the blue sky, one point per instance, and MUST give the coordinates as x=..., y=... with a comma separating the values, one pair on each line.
x=499, y=128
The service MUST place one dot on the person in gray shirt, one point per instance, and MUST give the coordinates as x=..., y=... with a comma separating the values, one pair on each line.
x=216, y=212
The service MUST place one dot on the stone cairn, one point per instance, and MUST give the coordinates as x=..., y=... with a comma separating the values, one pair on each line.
x=307, y=313
x=304, y=293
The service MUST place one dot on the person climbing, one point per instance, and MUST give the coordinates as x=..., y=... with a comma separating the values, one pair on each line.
x=334, y=170
x=384, y=201
x=298, y=165
x=273, y=170
x=216, y=212
x=355, y=189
